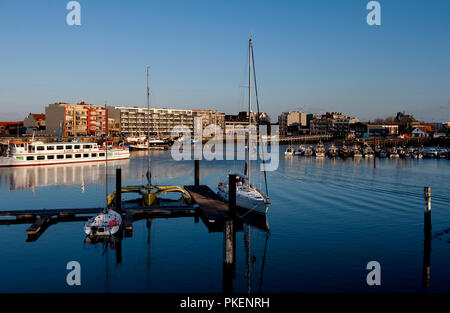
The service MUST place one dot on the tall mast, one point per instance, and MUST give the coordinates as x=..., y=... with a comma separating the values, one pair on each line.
x=249, y=107
x=149, y=175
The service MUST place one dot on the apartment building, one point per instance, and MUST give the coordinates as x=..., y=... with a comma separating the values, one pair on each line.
x=210, y=117
x=135, y=120
x=78, y=119
x=292, y=123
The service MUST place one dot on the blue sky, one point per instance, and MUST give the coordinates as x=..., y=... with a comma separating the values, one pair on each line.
x=314, y=55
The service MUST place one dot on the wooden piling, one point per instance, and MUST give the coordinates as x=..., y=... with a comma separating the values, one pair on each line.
x=232, y=195
x=197, y=172
x=118, y=195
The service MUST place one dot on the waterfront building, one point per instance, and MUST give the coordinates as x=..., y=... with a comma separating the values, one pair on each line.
x=210, y=117
x=135, y=120
x=12, y=128
x=331, y=123
x=292, y=123
x=418, y=132
x=79, y=119
x=36, y=121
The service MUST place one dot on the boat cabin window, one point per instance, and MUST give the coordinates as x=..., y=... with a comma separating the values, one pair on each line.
x=68, y=156
x=101, y=154
x=40, y=148
x=94, y=155
x=60, y=156
x=30, y=158
x=50, y=147
x=59, y=147
x=69, y=147
x=50, y=157
x=86, y=155
x=77, y=156
x=87, y=146
x=41, y=157
x=76, y=147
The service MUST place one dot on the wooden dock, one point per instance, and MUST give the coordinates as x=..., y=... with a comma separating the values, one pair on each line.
x=214, y=212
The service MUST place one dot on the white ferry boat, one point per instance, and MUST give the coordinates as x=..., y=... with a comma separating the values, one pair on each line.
x=34, y=153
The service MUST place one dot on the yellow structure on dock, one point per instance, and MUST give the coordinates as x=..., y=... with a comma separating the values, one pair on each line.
x=150, y=193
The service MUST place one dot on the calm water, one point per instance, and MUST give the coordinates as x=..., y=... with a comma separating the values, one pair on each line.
x=327, y=220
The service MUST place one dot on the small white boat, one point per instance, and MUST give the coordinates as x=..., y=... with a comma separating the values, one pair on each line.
x=309, y=152
x=320, y=150
x=300, y=150
x=289, y=151
x=106, y=223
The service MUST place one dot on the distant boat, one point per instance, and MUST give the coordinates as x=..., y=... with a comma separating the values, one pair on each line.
x=289, y=151
x=332, y=151
x=300, y=150
x=320, y=150
x=368, y=152
x=355, y=152
x=344, y=152
x=309, y=151
x=393, y=153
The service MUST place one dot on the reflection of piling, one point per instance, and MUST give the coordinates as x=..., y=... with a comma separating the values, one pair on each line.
x=427, y=213
x=374, y=152
x=197, y=173
x=229, y=238
x=229, y=253
x=427, y=240
x=118, y=195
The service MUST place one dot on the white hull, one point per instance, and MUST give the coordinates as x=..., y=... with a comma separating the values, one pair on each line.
x=246, y=201
x=37, y=153
x=103, y=224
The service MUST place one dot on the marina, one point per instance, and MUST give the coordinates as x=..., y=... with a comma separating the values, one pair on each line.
x=321, y=225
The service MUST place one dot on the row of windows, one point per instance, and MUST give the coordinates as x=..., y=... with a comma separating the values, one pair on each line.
x=65, y=156
x=62, y=147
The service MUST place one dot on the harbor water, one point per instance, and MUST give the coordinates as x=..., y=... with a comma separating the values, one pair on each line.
x=328, y=218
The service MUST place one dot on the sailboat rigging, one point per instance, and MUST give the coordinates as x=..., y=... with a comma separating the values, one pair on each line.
x=247, y=196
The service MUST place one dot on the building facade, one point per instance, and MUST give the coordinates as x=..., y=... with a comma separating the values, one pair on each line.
x=292, y=123
x=34, y=121
x=79, y=119
x=135, y=121
x=210, y=117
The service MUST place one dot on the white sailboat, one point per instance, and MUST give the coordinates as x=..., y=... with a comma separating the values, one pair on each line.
x=247, y=196
x=108, y=222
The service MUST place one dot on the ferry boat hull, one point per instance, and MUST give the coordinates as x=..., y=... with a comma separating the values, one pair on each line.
x=38, y=154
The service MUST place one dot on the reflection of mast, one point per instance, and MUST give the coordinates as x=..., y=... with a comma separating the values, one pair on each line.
x=263, y=262
x=149, y=224
x=248, y=257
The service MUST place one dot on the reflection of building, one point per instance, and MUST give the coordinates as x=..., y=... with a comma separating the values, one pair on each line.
x=134, y=120
x=35, y=121
x=75, y=119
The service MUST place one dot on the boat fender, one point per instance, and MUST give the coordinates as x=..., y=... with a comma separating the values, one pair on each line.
x=113, y=223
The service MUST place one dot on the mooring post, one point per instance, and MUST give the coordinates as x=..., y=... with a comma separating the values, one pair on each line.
x=427, y=213
x=232, y=195
x=118, y=195
x=197, y=172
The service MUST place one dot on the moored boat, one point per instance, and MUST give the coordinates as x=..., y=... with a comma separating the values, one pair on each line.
x=35, y=153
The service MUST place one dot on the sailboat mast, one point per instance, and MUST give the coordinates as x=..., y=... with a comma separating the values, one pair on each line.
x=148, y=126
x=249, y=107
